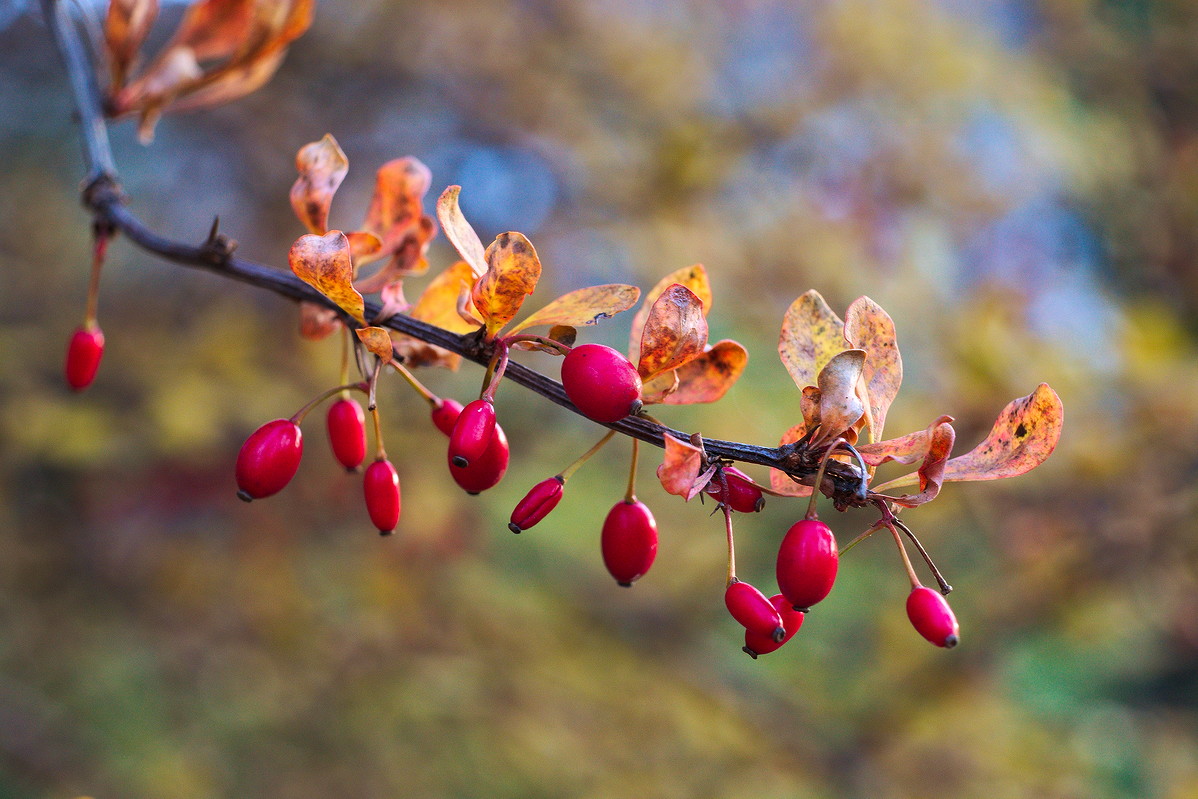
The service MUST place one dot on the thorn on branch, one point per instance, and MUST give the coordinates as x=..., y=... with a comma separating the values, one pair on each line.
x=218, y=247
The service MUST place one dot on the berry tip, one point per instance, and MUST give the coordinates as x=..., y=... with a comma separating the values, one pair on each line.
x=460, y=462
x=951, y=641
x=778, y=634
x=244, y=496
x=749, y=652
x=515, y=528
x=623, y=584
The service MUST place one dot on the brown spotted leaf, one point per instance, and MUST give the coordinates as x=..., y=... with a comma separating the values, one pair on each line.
x=459, y=232
x=931, y=471
x=321, y=166
x=513, y=270
x=809, y=405
x=1023, y=436
x=708, y=377
x=868, y=327
x=378, y=341
x=323, y=262
x=396, y=215
x=125, y=29
x=839, y=406
x=811, y=335
x=693, y=277
x=779, y=481
x=675, y=332
x=363, y=247
x=657, y=388
x=317, y=321
x=681, y=471
x=584, y=306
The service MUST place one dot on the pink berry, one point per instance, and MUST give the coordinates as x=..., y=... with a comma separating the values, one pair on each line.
x=485, y=471
x=792, y=620
x=743, y=496
x=601, y=382
x=629, y=541
x=472, y=432
x=269, y=459
x=445, y=415
x=381, y=486
x=537, y=503
x=932, y=618
x=754, y=610
x=807, y=562
x=84, y=352
x=347, y=432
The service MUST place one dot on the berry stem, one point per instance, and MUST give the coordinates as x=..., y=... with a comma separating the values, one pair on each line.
x=875, y=527
x=372, y=393
x=346, y=346
x=731, y=577
x=298, y=416
x=898, y=540
x=630, y=493
x=945, y=588
x=380, y=453
x=99, y=253
x=568, y=472
x=429, y=397
x=819, y=477
x=495, y=370
x=544, y=341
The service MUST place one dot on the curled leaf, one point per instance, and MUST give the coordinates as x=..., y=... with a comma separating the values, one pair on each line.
x=459, y=232
x=905, y=449
x=693, y=277
x=675, y=332
x=584, y=306
x=1023, y=436
x=839, y=406
x=396, y=216
x=809, y=405
x=811, y=335
x=681, y=473
x=321, y=166
x=931, y=471
x=125, y=28
x=780, y=482
x=323, y=262
x=394, y=301
x=868, y=327
x=708, y=377
x=378, y=341
x=438, y=306
x=513, y=270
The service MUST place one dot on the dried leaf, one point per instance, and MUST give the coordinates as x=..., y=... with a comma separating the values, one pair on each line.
x=317, y=321
x=321, y=166
x=125, y=28
x=655, y=390
x=693, y=277
x=323, y=262
x=229, y=83
x=584, y=306
x=1023, y=436
x=811, y=335
x=438, y=306
x=407, y=258
x=839, y=406
x=682, y=468
x=394, y=301
x=513, y=270
x=396, y=215
x=780, y=482
x=809, y=406
x=906, y=449
x=459, y=232
x=931, y=472
x=566, y=334
x=378, y=341
x=708, y=377
x=868, y=327
x=675, y=332
x=363, y=247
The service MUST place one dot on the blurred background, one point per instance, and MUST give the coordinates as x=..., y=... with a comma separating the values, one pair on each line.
x=1015, y=181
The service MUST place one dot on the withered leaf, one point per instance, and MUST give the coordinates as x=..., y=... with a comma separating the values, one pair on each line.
x=839, y=406
x=584, y=306
x=438, y=306
x=125, y=28
x=321, y=166
x=868, y=327
x=905, y=449
x=780, y=483
x=681, y=470
x=811, y=335
x=459, y=232
x=513, y=270
x=708, y=377
x=675, y=332
x=317, y=321
x=693, y=277
x=931, y=471
x=396, y=215
x=1023, y=436
x=378, y=341
x=323, y=262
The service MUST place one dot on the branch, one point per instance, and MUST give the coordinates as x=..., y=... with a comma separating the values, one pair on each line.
x=104, y=198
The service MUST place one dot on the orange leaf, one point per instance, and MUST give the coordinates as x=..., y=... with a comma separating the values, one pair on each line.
x=811, y=335
x=459, y=232
x=708, y=377
x=438, y=306
x=317, y=321
x=657, y=388
x=363, y=247
x=780, y=482
x=931, y=471
x=868, y=327
x=681, y=472
x=396, y=216
x=809, y=406
x=323, y=262
x=125, y=29
x=839, y=405
x=584, y=306
x=905, y=449
x=321, y=166
x=693, y=277
x=675, y=332
x=378, y=341
x=1025, y=433
x=513, y=270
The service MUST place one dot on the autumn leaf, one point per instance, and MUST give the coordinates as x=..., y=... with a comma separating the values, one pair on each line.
x=584, y=306
x=1023, y=436
x=459, y=232
x=321, y=166
x=438, y=306
x=513, y=270
x=323, y=262
x=780, y=482
x=811, y=335
x=396, y=215
x=394, y=301
x=674, y=333
x=378, y=341
x=809, y=406
x=681, y=472
x=317, y=321
x=839, y=406
x=692, y=277
x=905, y=449
x=932, y=470
x=125, y=28
x=708, y=377
x=868, y=327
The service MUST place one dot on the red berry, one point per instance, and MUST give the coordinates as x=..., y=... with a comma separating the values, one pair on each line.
x=792, y=620
x=347, y=432
x=807, y=562
x=445, y=415
x=629, y=541
x=601, y=382
x=932, y=618
x=486, y=471
x=537, y=503
x=84, y=352
x=743, y=496
x=381, y=486
x=752, y=609
x=269, y=459
x=472, y=432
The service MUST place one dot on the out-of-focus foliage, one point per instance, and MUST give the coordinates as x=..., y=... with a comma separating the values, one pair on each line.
x=1014, y=181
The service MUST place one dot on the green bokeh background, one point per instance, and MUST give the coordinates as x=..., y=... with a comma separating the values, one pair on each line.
x=1015, y=181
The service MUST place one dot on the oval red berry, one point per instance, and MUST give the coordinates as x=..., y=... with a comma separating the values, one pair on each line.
x=486, y=471
x=932, y=617
x=753, y=610
x=445, y=415
x=601, y=382
x=84, y=351
x=381, y=487
x=743, y=495
x=346, y=424
x=807, y=563
x=472, y=432
x=629, y=541
x=537, y=503
x=792, y=620
x=268, y=459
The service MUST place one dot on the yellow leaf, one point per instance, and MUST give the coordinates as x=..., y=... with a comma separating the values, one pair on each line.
x=693, y=277
x=811, y=335
x=323, y=262
x=378, y=341
x=321, y=166
x=708, y=377
x=459, y=232
x=584, y=306
x=868, y=327
x=513, y=270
